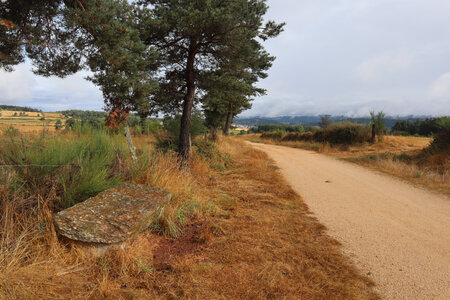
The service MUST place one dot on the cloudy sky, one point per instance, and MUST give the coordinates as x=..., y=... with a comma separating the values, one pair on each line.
x=335, y=57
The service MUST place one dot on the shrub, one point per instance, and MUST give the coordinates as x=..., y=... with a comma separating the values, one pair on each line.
x=275, y=135
x=337, y=133
x=70, y=124
x=137, y=130
x=344, y=133
x=152, y=126
x=441, y=140
x=58, y=124
x=209, y=152
x=379, y=121
x=74, y=169
x=169, y=137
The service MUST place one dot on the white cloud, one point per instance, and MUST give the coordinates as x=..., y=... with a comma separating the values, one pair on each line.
x=335, y=57
x=383, y=67
x=16, y=86
x=22, y=87
x=441, y=87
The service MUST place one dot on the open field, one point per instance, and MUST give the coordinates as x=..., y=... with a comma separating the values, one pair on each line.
x=394, y=155
x=29, y=122
x=239, y=231
x=395, y=232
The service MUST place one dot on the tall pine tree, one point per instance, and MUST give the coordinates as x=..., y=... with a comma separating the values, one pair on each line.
x=194, y=37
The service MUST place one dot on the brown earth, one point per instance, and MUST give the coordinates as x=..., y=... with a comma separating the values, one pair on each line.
x=395, y=232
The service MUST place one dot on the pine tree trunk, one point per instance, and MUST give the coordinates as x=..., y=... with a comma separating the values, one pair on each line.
x=226, y=130
x=184, y=146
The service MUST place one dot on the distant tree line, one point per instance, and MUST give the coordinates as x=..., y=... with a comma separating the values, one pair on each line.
x=19, y=108
x=425, y=127
x=83, y=114
x=277, y=127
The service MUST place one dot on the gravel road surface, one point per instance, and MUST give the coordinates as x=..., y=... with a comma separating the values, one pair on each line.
x=396, y=233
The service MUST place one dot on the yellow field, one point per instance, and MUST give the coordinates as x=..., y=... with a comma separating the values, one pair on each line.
x=29, y=122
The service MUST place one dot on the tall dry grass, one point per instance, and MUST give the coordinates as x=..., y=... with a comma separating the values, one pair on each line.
x=35, y=265
x=241, y=232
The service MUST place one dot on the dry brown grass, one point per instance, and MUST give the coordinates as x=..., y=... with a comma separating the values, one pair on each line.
x=246, y=235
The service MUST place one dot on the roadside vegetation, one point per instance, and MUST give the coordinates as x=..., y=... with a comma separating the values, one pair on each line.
x=426, y=127
x=337, y=133
x=420, y=160
x=232, y=229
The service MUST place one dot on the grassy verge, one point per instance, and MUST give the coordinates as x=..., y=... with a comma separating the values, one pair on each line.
x=403, y=157
x=241, y=232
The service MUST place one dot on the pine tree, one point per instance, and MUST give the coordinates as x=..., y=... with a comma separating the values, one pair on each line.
x=63, y=37
x=21, y=23
x=196, y=36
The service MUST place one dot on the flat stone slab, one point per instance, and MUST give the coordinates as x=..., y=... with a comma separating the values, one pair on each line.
x=112, y=216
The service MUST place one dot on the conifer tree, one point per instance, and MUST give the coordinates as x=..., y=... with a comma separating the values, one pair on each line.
x=63, y=37
x=25, y=26
x=196, y=36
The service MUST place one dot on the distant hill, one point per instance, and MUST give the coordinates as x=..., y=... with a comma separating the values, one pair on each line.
x=18, y=108
x=314, y=120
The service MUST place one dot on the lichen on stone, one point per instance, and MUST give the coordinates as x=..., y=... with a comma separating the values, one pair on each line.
x=112, y=216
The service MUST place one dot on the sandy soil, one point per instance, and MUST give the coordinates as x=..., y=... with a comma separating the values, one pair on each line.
x=396, y=233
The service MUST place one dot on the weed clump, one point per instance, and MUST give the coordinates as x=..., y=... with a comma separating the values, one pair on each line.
x=209, y=152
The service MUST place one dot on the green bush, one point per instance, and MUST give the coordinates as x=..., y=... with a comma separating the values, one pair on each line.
x=170, y=136
x=441, y=140
x=209, y=152
x=58, y=124
x=344, y=133
x=137, y=130
x=75, y=168
x=275, y=135
x=379, y=120
x=337, y=133
x=152, y=126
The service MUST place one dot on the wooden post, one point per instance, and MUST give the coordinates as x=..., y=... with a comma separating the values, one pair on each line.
x=130, y=145
x=373, y=133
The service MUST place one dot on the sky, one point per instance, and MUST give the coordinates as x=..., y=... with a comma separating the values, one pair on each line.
x=338, y=57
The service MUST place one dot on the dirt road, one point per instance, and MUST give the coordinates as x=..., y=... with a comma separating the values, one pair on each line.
x=396, y=233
